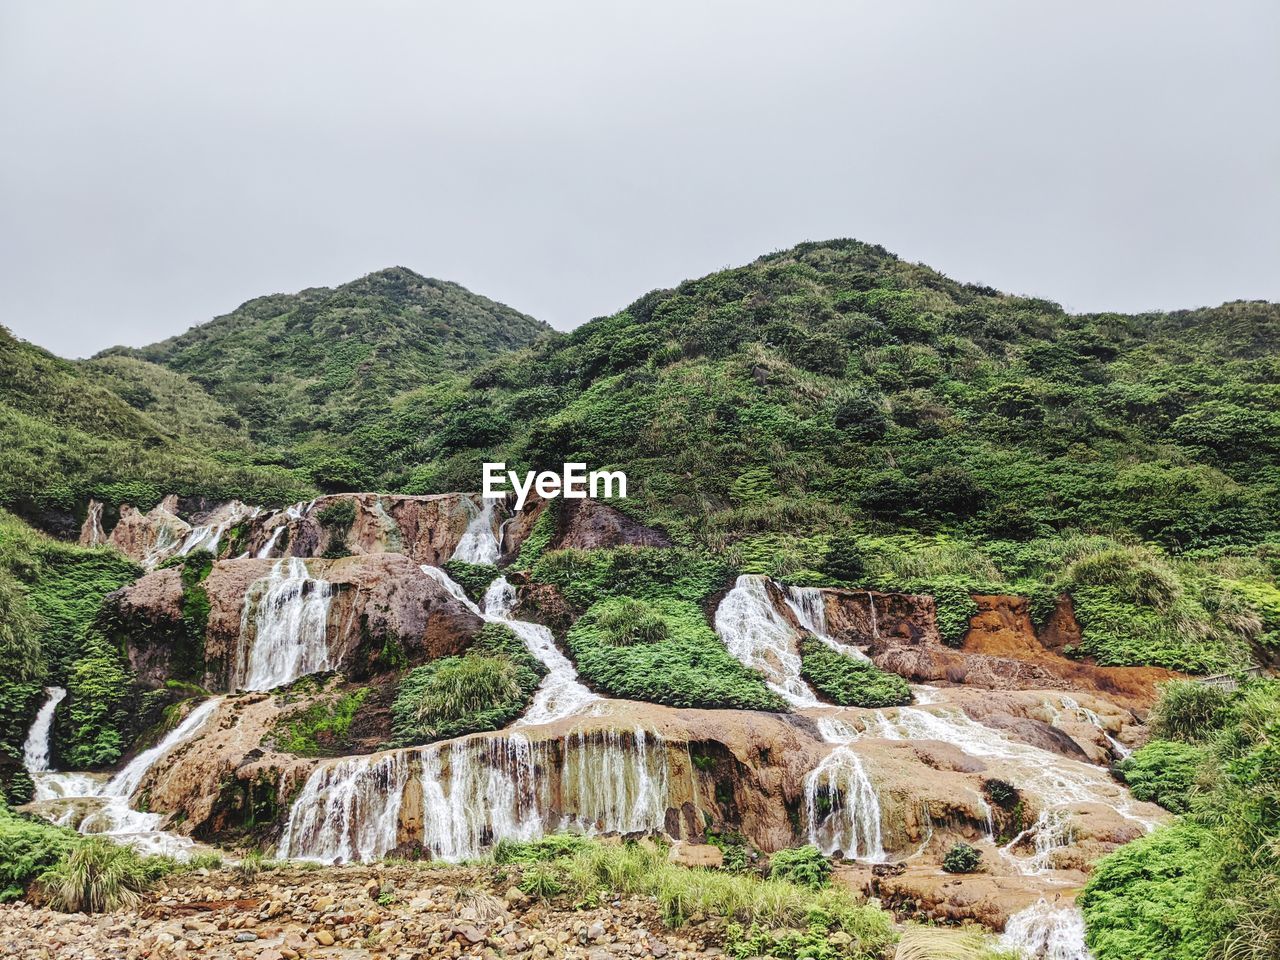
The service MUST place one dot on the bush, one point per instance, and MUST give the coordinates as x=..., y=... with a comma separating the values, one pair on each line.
x=28, y=847
x=647, y=573
x=961, y=858
x=485, y=689
x=955, y=610
x=849, y=682
x=474, y=578
x=627, y=621
x=96, y=876
x=1164, y=771
x=1002, y=793
x=804, y=866
x=688, y=668
x=1189, y=711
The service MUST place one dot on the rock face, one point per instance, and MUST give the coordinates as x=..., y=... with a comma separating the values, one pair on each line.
x=384, y=610
x=589, y=524
x=424, y=528
x=149, y=537
x=1001, y=650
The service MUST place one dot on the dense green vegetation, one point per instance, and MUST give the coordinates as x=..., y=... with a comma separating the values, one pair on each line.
x=68, y=437
x=28, y=847
x=484, y=689
x=352, y=384
x=1209, y=885
x=663, y=650
x=852, y=683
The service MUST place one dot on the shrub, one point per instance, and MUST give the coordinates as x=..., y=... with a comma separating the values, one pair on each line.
x=961, y=858
x=1000, y=792
x=1188, y=711
x=805, y=866
x=474, y=578
x=1164, y=771
x=843, y=560
x=28, y=847
x=647, y=573
x=541, y=880
x=849, y=682
x=628, y=621
x=955, y=610
x=96, y=876
x=485, y=689
x=688, y=668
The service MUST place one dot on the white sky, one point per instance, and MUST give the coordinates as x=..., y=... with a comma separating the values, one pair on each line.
x=160, y=163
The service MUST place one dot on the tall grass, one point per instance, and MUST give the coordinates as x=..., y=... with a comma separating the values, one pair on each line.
x=467, y=685
x=95, y=876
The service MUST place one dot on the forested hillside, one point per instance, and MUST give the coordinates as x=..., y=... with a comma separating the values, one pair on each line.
x=307, y=372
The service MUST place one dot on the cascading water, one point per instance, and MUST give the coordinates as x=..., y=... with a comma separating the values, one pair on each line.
x=270, y=545
x=842, y=809
x=348, y=810
x=761, y=638
x=479, y=544
x=112, y=816
x=560, y=694
x=1056, y=781
x=478, y=790
x=1044, y=931
x=489, y=791
x=283, y=628
x=808, y=606
x=208, y=537
x=35, y=752
x=1092, y=718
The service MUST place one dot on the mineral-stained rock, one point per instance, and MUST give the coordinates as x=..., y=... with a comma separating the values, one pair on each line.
x=589, y=525
x=144, y=537
x=383, y=606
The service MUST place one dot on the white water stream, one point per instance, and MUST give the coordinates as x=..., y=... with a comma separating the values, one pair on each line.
x=1044, y=931
x=68, y=795
x=283, y=628
x=755, y=632
x=479, y=544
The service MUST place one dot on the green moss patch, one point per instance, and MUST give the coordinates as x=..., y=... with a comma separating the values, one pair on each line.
x=849, y=682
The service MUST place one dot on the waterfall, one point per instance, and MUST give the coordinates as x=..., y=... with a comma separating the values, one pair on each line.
x=491, y=793
x=479, y=544
x=560, y=694
x=810, y=610
x=480, y=789
x=760, y=637
x=1058, y=782
x=612, y=783
x=852, y=824
x=348, y=810
x=283, y=628
x=124, y=783
x=35, y=752
x=207, y=537
x=113, y=816
x=1046, y=932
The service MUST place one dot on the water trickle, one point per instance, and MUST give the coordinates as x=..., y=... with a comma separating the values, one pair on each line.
x=875, y=622
x=208, y=537
x=1044, y=931
x=348, y=810
x=35, y=752
x=479, y=544
x=283, y=628
x=124, y=783
x=1092, y=718
x=808, y=606
x=270, y=545
x=760, y=637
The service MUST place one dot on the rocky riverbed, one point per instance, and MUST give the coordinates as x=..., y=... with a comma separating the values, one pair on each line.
x=401, y=912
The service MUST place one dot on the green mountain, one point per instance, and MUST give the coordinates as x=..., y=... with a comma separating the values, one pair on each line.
x=121, y=430
x=304, y=372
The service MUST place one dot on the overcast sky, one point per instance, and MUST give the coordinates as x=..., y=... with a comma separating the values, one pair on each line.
x=160, y=163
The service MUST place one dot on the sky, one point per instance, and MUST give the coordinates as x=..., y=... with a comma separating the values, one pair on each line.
x=161, y=163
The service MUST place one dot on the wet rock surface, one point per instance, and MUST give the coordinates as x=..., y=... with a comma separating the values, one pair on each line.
x=400, y=912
